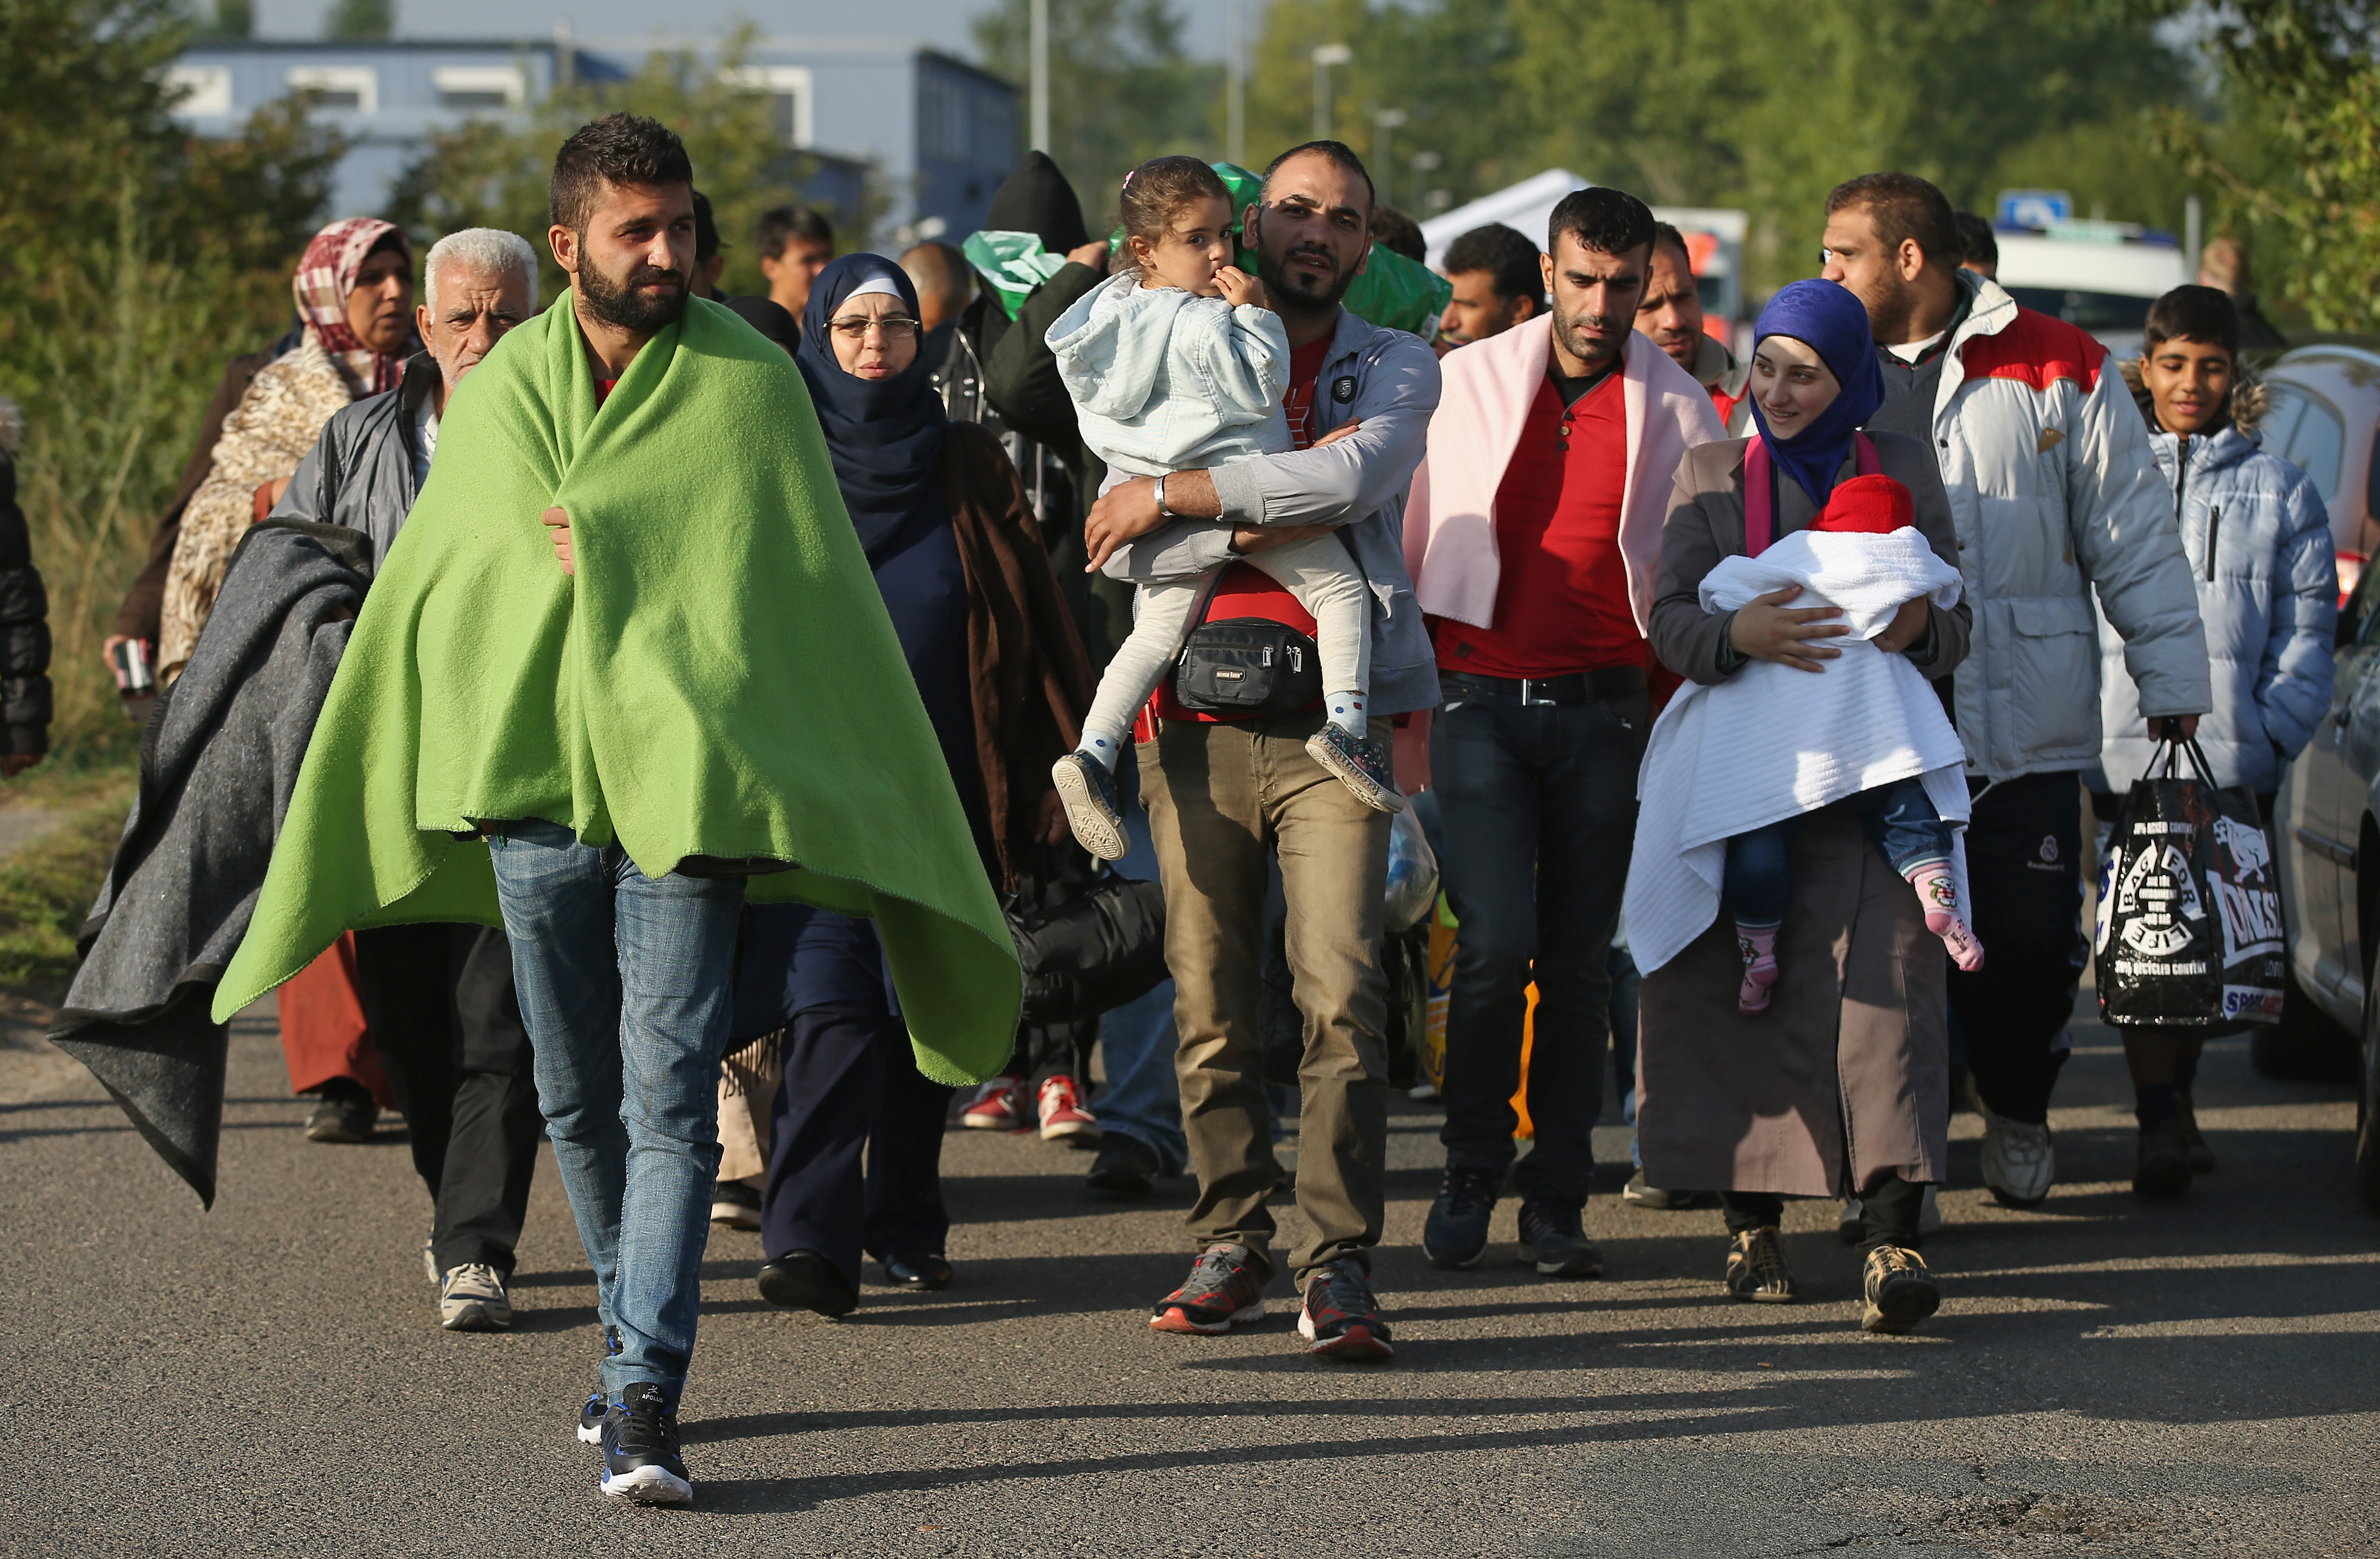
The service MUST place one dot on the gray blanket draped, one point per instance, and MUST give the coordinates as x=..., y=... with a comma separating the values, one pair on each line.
x=218, y=763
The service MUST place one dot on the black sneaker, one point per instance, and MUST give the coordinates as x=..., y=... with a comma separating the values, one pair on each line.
x=590, y=1415
x=1456, y=1234
x=1126, y=1168
x=1359, y=762
x=2163, y=1166
x=1554, y=1236
x=1340, y=1319
x=1225, y=1289
x=806, y=1280
x=734, y=1204
x=1757, y=1268
x=1900, y=1292
x=346, y=1114
x=1088, y=791
x=640, y=1455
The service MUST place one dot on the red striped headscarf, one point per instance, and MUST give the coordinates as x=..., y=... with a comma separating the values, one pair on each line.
x=325, y=276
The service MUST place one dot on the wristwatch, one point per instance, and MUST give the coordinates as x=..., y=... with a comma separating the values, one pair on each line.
x=1162, y=509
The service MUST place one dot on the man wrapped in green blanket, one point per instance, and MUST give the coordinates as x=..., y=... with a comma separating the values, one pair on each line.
x=610, y=729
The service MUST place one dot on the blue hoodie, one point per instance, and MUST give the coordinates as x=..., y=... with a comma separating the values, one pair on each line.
x=2258, y=537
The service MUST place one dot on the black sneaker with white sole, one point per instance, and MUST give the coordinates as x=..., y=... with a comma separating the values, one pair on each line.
x=1553, y=1239
x=1088, y=791
x=1455, y=1234
x=641, y=1463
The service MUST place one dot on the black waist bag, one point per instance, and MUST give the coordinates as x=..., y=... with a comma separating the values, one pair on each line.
x=1248, y=666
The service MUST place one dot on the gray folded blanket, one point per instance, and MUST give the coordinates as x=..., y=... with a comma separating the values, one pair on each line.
x=218, y=763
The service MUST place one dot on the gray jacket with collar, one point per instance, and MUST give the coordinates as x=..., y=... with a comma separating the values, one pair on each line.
x=360, y=473
x=1388, y=381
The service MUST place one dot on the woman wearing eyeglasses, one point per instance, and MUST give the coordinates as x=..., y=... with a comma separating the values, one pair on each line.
x=998, y=662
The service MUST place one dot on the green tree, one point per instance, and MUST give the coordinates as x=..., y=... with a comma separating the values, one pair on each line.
x=233, y=18
x=135, y=256
x=492, y=172
x=360, y=19
x=1122, y=89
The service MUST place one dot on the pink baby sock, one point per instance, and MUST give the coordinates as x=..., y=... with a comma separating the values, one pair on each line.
x=1757, y=944
x=1939, y=895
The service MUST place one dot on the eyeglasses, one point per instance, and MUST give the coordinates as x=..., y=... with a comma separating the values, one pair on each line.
x=855, y=327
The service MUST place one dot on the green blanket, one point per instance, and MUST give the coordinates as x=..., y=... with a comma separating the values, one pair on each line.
x=720, y=678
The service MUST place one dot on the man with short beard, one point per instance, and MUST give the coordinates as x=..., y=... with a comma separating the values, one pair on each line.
x=1227, y=795
x=1671, y=313
x=2055, y=492
x=1532, y=533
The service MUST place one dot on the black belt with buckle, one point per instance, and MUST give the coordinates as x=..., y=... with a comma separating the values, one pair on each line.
x=1577, y=687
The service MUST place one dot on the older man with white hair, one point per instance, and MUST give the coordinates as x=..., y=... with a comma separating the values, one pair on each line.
x=439, y=999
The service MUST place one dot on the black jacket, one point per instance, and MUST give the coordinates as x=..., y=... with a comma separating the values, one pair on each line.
x=24, y=612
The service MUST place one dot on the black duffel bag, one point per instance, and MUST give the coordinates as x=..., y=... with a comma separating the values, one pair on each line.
x=1091, y=953
x=2189, y=932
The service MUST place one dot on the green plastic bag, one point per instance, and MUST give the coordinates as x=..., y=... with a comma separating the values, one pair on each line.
x=1012, y=263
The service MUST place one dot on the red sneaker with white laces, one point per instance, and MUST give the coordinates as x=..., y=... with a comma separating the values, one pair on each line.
x=1064, y=1119
x=999, y=1106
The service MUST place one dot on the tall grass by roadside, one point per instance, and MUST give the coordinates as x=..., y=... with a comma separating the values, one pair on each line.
x=47, y=886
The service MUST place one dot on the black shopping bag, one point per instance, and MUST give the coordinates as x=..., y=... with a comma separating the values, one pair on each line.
x=2189, y=932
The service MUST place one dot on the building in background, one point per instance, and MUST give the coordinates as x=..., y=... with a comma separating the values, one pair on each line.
x=897, y=133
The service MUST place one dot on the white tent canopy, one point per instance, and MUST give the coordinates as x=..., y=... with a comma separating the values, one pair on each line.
x=1528, y=206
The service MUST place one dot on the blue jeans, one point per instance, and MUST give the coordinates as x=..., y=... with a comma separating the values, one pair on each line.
x=625, y=984
x=1143, y=1097
x=1901, y=823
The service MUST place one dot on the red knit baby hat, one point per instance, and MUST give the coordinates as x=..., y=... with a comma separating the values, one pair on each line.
x=1877, y=505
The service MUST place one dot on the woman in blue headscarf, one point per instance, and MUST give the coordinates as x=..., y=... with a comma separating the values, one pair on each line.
x=1841, y=1087
x=1000, y=669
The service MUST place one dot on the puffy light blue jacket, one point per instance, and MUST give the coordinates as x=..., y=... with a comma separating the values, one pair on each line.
x=2259, y=542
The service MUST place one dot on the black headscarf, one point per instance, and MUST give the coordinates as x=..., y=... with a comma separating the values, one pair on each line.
x=1036, y=198
x=884, y=433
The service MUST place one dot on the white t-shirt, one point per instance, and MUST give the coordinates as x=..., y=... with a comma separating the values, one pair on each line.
x=425, y=439
x=1916, y=349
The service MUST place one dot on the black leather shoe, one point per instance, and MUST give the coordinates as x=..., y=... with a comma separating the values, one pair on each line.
x=806, y=1280
x=1124, y=1167
x=920, y=1273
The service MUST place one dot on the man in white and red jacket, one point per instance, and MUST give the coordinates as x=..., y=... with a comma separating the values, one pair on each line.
x=1531, y=536
x=2054, y=493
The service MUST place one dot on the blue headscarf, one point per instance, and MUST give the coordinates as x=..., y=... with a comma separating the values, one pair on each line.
x=883, y=434
x=1830, y=320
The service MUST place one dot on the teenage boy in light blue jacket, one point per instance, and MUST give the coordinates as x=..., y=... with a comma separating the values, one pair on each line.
x=2258, y=535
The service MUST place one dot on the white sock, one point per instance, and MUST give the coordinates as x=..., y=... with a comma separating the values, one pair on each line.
x=1347, y=712
x=1101, y=748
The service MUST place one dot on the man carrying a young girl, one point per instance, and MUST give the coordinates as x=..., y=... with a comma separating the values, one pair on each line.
x=1226, y=795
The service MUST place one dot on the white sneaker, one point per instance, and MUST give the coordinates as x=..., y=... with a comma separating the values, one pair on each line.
x=429, y=1260
x=2019, y=1166
x=472, y=1298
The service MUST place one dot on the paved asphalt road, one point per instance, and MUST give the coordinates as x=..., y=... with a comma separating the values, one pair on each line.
x=2105, y=1378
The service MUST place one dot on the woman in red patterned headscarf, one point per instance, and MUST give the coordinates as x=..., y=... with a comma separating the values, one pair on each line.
x=348, y=306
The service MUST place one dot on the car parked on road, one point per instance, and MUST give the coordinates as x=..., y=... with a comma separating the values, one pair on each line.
x=2322, y=416
x=2327, y=829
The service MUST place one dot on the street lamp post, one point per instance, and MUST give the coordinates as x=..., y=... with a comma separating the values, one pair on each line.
x=1325, y=58
x=1235, y=84
x=1385, y=120
x=1423, y=164
x=1039, y=69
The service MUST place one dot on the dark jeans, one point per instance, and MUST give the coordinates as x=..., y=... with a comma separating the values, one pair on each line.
x=439, y=1003
x=2024, y=865
x=1889, y=1212
x=1537, y=802
x=1901, y=823
x=852, y=1083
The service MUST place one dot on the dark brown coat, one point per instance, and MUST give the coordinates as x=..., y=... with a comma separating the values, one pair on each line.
x=1030, y=680
x=1847, y=1075
x=137, y=617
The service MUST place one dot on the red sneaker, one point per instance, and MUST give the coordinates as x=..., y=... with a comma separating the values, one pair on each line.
x=1224, y=1288
x=999, y=1106
x=1064, y=1119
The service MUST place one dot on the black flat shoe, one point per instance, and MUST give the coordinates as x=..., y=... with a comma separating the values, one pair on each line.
x=1126, y=1168
x=806, y=1280
x=922, y=1273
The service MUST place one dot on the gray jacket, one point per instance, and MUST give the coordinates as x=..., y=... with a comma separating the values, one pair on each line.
x=360, y=473
x=1388, y=381
x=2258, y=537
x=2055, y=493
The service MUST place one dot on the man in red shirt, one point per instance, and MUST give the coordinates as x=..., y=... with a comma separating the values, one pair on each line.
x=1533, y=532
x=1227, y=796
